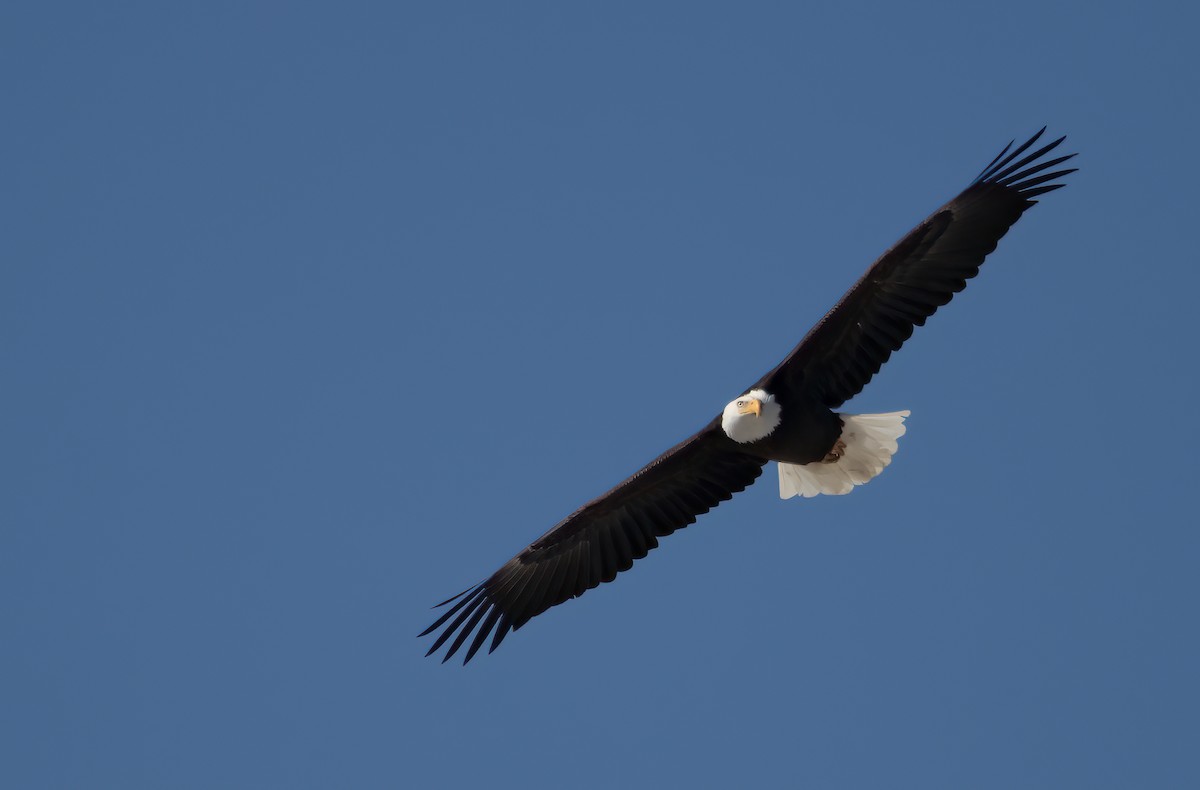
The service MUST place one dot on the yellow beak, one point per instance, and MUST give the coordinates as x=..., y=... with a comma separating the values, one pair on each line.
x=751, y=405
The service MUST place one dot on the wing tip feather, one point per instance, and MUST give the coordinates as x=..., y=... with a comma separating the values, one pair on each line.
x=1021, y=175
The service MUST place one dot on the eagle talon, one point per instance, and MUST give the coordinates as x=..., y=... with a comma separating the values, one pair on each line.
x=835, y=455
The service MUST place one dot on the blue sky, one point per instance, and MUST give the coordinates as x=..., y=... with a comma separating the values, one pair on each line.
x=314, y=314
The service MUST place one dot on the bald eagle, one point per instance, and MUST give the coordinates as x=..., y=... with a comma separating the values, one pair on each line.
x=787, y=416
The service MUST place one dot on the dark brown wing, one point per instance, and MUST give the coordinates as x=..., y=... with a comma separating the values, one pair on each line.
x=599, y=540
x=837, y=358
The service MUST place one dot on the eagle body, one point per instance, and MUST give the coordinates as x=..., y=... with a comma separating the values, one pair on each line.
x=789, y=416
x=806, y=433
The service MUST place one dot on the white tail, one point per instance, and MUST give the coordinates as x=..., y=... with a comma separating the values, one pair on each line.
x=870, y=443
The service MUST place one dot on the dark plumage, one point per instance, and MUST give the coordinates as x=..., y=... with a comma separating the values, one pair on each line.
x=833, y=362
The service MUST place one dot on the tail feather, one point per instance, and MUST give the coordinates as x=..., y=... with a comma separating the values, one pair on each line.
x=871, y=441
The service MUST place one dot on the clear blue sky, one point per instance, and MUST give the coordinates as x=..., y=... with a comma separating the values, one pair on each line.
x=313, y=315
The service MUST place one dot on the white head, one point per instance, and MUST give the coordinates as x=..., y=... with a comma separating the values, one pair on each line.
x=751, y=417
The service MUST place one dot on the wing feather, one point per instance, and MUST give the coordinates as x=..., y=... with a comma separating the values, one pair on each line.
x=482, y=635
x=501, y=631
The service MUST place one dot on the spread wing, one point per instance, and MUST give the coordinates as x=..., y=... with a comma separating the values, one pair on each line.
x=599, y=540
x=839, y=355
